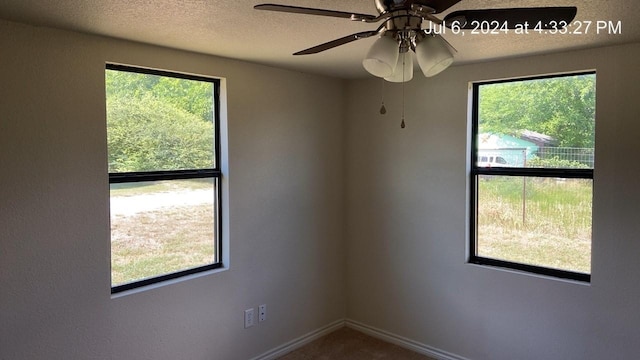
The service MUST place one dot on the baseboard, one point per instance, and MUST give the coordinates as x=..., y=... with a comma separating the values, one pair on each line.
x=402, y=341
x=369, y=330
x=299, y=342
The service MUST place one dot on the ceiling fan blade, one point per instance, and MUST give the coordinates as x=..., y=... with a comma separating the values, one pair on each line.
x=337, y=42
x=442, y=5
x=543, y=17
x=312, y=11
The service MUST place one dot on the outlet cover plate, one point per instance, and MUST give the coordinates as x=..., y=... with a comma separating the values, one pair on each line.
x=262, y=312
x=248, y=318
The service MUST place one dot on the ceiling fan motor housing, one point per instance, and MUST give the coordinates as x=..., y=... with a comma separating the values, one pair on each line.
x=403, y=21
x=403, y=29
x=385, y=6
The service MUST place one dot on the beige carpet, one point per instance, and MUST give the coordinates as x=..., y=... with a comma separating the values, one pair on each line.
x=349, y=344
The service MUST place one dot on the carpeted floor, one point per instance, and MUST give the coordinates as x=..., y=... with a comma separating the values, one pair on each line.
x=349, y=344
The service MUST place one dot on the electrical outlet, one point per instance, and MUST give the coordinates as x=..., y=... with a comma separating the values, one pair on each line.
x=262, y=312
x=248, y=318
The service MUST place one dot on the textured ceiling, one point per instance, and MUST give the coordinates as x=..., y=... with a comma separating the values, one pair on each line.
x=233, y=29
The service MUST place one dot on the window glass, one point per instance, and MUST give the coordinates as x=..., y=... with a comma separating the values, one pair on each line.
x=159, y=123
x=533, y=178
x=535, y=221
x=163, y=173
x=161, y=227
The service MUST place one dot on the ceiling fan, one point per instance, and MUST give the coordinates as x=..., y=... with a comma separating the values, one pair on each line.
x=402, y=30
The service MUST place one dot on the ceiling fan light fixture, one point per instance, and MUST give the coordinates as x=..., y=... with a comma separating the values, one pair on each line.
x=382, y=57
x=433, y=55
x=404, y=69
x=402, y=29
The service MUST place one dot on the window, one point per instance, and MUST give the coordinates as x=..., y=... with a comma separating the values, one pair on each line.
x=164, y=175
x=532, y=174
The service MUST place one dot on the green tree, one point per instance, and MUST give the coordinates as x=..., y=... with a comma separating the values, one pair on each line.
x=561, y=107
x=128, y=84
x=158, y=122
x=195, y=97
x=148, y=134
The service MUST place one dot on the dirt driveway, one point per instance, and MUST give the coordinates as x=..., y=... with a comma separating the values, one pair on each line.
x=131, y=205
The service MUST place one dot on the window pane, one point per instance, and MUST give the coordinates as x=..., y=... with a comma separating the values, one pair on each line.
x=541, y=123
x=162, y=227
x=535, y=221
x=158, y=122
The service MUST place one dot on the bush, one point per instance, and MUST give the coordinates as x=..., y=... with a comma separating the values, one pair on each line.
x=555, y=162
x=146, y=134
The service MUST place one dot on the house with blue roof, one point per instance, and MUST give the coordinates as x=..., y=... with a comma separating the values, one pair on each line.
x=514, y=150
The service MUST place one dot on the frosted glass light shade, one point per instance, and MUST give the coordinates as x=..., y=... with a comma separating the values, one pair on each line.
x=407, y=69
x=382, y=57
x=433, y=55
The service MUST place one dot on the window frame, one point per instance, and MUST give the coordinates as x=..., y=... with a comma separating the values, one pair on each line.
x=476, y=171
x=214, y=173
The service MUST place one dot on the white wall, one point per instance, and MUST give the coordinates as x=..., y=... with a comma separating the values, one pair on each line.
x=286, y=209
x=407, y=222
x=406, y=208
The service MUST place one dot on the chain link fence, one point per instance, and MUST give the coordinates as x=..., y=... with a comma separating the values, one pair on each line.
x=546, y=157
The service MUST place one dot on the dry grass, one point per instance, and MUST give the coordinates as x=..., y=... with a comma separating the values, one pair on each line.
x=554, y=232
x=551, y=227
x=150, y=187
x=160, y=241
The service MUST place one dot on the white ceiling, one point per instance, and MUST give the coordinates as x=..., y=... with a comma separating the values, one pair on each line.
x=234, y=29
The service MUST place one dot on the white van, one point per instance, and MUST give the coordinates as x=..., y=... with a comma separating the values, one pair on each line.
x=492, y=161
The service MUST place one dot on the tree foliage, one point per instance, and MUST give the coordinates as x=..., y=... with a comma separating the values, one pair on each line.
x=158, y=123
x=561, y=107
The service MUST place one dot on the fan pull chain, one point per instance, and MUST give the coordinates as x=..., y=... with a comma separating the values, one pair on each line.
x=402, y=125
x=383, y=110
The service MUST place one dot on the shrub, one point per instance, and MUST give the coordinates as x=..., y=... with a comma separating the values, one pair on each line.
x=146, y=134
x=555, y=162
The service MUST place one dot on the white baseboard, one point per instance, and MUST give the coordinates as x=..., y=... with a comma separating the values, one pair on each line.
x=369, y=330
x=402, y=341
x=299, y=342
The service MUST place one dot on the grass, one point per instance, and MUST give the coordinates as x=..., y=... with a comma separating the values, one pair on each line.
x=148, y=187
x=161, y=241
x=545, y=222
x=551, y=227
